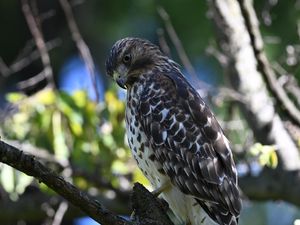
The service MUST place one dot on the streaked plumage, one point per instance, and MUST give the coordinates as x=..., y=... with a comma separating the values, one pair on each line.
x=174, y=136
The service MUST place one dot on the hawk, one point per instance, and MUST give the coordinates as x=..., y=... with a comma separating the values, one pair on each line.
x=174, y=137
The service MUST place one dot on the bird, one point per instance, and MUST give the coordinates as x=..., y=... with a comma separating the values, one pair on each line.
x=174, y=137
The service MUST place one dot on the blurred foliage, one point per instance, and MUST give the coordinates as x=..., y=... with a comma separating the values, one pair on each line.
x=266, y=155
x=90, y=136
x=71, y=127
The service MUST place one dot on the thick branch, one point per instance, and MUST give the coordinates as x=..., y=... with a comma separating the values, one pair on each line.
x=141, y=198
x=148, y=209
x=27, y=164
x=246, y=78
x=266, y=185
x=264, y=67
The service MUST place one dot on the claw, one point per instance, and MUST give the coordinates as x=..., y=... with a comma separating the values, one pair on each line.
x=164, y=187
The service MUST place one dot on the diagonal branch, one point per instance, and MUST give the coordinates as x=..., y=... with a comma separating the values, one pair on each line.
x=29, y=165
x=177, y=43
x=21, y=63
x=149, y=210
x=247, y=79
x=81, y=45
x=39, y=40
x=263, y=64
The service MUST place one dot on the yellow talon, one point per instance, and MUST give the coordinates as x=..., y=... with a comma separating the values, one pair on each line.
x=162, y=188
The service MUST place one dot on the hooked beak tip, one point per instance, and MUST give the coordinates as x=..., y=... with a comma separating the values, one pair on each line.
x=121, y=81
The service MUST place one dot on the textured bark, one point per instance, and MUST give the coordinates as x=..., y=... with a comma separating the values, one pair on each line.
x=142, y=199
x=147, y=208
x=273, y=185
x=249, y=71
x=247, y=79
x=29, y=165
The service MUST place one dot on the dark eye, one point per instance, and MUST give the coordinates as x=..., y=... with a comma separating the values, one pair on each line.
x=127, y=59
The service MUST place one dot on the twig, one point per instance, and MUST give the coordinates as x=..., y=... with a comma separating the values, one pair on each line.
x=219, y=56
x=177, y=43
x=40, y=43
x=258, y=109
x=202, y=86
x=162, y=42
x=263, y=63
x=4, y=69
x=29, y=165
x=32, y=81
x=59, y=215
x=26, y=60
x=81, y=45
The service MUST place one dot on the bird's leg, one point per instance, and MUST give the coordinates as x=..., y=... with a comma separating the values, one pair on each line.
x=132, y=215
x=164, y=187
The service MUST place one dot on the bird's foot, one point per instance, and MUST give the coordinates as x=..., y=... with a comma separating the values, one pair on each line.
x=132, y=215
x=164, y=187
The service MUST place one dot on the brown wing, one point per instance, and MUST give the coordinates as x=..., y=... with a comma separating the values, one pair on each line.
x=190, y=145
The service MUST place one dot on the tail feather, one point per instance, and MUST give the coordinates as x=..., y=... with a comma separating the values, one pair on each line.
x=218, y=213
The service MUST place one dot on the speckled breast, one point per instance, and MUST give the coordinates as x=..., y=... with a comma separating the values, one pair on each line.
x=139, y=143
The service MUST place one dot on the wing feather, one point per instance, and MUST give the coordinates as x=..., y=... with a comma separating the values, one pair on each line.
x=189, y=143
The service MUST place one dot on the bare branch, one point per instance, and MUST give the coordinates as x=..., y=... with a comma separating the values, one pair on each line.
x=29, y=165
x=39, y=40
x=149, y=209
x=246, y=78
x=162, y=42
x=4, y=69
x=263, y=63
x=266, y=185
x=26, y=60
x=219, y=56
x=177, y=43
x=81, y=45
x=198, y=84
x=59, y=215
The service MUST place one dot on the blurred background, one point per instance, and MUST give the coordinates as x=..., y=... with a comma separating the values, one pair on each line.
x=49, y=105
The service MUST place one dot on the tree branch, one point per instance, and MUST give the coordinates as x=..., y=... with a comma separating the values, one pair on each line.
x=28, y=209
x=263, y=64
x=29, y=165
x=81, y=45
x=21, y=63
x=149, y=210
x=246, y=78
x=266, y=185
x=39, y=41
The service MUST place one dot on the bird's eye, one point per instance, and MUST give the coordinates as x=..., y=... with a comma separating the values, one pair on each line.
x=127, y=59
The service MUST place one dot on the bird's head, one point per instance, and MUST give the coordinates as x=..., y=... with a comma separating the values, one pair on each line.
x=131, y=57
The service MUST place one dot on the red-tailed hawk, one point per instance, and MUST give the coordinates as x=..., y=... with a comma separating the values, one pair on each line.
x=174, y=136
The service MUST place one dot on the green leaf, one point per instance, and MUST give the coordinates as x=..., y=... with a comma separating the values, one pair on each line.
x=80, y=98
x=7, y=178
x=22, y=182
x=266, y=154
x=59, y=142
x=119, y=167
x=45, y=97
x=15, y=97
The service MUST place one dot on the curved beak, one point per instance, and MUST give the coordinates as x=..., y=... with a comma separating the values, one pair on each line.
x=120, y=76
x=121, y=81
